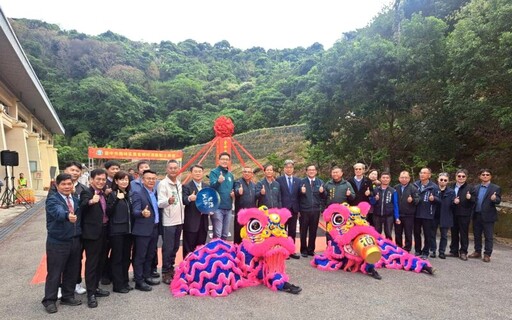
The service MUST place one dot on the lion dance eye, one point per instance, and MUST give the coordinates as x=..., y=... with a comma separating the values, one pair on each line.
x=337, y=219
x=254, y=226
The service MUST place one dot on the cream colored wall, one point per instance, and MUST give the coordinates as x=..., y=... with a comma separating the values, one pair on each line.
x=18, y=136
x=16, y=139
x=34, y=154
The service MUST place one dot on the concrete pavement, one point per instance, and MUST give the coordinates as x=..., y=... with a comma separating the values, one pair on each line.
x=459, y=290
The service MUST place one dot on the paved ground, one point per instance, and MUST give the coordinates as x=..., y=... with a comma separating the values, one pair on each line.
x=459, y=290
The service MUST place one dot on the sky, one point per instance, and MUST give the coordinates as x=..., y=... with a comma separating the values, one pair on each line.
x=271, y=24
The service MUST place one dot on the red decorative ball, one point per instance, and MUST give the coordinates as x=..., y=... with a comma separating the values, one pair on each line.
x=223, y=127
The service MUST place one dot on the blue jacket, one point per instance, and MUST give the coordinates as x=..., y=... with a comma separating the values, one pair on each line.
x=387, y=204
x=143, y=226
x=426, y=208
x=60, y=230
x=224, y=189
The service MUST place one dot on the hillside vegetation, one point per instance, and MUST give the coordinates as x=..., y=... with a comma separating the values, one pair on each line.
x=426, y=83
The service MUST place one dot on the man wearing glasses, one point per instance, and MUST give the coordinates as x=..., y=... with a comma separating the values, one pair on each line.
x=485, y=214
x=145, y=230
x=443, y=217
x=363, y=188
x=222, y=180
x=464, y=203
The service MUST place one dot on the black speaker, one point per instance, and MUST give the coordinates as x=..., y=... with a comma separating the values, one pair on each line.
x=9, y=158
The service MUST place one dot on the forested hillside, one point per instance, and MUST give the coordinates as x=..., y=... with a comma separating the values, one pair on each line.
x=427, y=82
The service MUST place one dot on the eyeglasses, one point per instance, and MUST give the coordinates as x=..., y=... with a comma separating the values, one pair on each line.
x=461, y=176
x=149, y=179
x=224, y=159
x=444, y=180
x=485, y=174
x=358, y=168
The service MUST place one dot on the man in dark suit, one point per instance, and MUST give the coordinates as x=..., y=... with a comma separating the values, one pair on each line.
x=93, y=205
x=485, y=215
x=245, y=197
x=464, y=204
x=408, y=198
x=63, y=247
x=290, y=189
x=195, y=227
x=311, y=206
x=145, y=229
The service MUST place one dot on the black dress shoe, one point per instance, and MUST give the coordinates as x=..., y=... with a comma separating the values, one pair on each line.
x=295, y=256
x=101, y=293
x=152, y=281
x=433, y=255
x=154, y=274
x=51, y=307
x=122, y=290
x=290, y=288
x=91, y=301
x=312, y=254
x=70, y=302
x=428, y=270
x=374, y=274
x=129, y=287
x=142, y=286
x=442, y=256
x=304, y=255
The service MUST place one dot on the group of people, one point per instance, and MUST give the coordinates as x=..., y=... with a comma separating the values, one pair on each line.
x=118, y=219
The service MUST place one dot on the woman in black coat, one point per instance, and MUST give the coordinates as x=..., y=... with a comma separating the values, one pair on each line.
x=119, y=213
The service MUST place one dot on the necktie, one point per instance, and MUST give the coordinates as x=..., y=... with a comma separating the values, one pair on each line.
x=312, y=184
x=103, y=204
x=290, y=184
x=70, y=205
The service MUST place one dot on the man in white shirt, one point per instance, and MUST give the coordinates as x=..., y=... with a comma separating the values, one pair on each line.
x=173, y=216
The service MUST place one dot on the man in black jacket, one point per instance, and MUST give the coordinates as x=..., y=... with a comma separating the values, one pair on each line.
x=245, y=197
x=268, y=190
x=362, y=185
x=485, y=215
x=195, y=226
x=408, y=198
x=428, y=193
x=385, y=205
x=464, y=203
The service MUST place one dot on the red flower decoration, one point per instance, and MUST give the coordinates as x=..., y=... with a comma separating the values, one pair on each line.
x=223, y=127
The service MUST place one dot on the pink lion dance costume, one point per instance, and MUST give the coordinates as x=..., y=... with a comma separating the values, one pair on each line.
x=356, y=246
x=218, y=268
